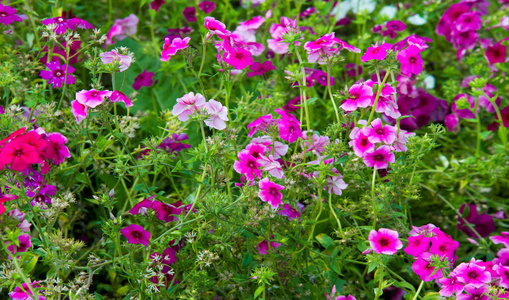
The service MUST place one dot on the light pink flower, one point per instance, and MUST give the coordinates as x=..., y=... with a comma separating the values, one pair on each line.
x=272, y=166
x=361, y=97
x=92, y=98
x=270, y=192
x=122, y=28
x=187, y=105
x=336, y=184
x=377, y=132
x=501, y=239
x=171, y=47
x=218, y=114
x=113, y=56
x=79, y=111
x=214, y=26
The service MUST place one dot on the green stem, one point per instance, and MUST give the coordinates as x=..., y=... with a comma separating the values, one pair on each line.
x=418, y=290
x=335, y=216
x=303, y=98
x=502, y=129
x=330, y=93
x=379, y=292
x=204, y=49
x=375, y=214
x=378, y=96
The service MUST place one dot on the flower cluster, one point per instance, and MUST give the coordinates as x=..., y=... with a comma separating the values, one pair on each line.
x=390, y=29
x=190, y=104
x=324, y=48
x=122, y=28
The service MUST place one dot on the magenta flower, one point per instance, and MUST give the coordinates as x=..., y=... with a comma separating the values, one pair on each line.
x=290, y=212
x=113, y=56
x=423, y=268
x=260, y=68
x=417, y=245
x=361, y=97
x=395, y=25
x=118, y=96
x=385, y=241
x=272, y=166
x=262, y=123
x=483, y=223
x=135, y=234
x=79, y=111
x=451, y=285
x=501, y=239
x=472, y=274
x=23, y=244
x=19, y=154
x=55, y=151
x=376, y=52
x=62, y=24
x=189, y=14
x=143, y=79
x=207, y=6
x=263, y=247
x=92, y=98
x=379, y=158
x=378, y=132
x=475, y=293
x=170, y=48
x=142, y=207
x=238, y=58
x=443, y=245
x=214, y=26
x=270, y=192
x=4, y=199
x=57, y=75
x=289, y=126
x=167, y=212
x=8, y=15
x=156, y=4
x=247, y=165
x=122, y=28
x=360, y=142
x=411, y=61
x=187, y=105
x=218, y=114
x=502, y=277
x=496, y=53
x=280, y=149
x=468, y=21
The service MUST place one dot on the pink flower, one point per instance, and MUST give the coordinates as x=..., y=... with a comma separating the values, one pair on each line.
x=361, y=97
x=451, y=285
x=8, y=15
x=218, y=114
x=263, y=247
x=118, y=96
x=19, y=154
x=207, y=6
x=379, y=158
x=376, y=52
x=385, y=241
x=502, y=277
x=289, y=126
x=135, y=234
x=63, y=24
x=360, y=142
x=214, y=26
x=280, y=149
x=4, y=199
x=443, y=245
x=143, y=79
x=156, y=4
x=395, y=25
x=290, y=212
x=472, y=274
x=468, y=21
x=189, y=14
x=411, y=61
x=187, y=105
x=92, y=98
x=171, y=48
x=475, y=293
x=79, y=111
x=122, y=28
x=417, y=245
x=247, y=165
x=334, y=295
x=423, y=268
x=272, y=166
x=142, y=207
x=336, y=184
x=167, y=212
x=260, y=124
x=57, y=75
x=501, y=239
x=270, y=192
x=238, y=58
x=378, y=132
x=113, y=56
x=56, y=151
x=260, y=69
x=24, y=244
x=496, y=53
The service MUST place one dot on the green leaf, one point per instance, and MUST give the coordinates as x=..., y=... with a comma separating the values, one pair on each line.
x=258, y=291
x=324, y=240
x=30, y=265
x=246, y=261
x=431, y=296
x=98, y=296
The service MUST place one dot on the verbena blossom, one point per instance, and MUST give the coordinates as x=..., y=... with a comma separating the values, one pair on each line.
x=207, y=6
x=384, y=241
x=187, y=105
x=8, y=15
x=218, y=114
x=124, y=61
x=58, y=74
x=289, y=126
x=171, y=47
x=379, y=158
x=135, y=234
x=376, y=52
x=122, y=28
x=143, y=79
x=92, y=98
x=270, y=192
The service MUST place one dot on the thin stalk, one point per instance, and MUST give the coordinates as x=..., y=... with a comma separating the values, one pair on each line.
x=379, y=292
x=503, y=133
x=335, y=216
x=330, y=93
x=204, y=51
x=418, y=290
x=303, y=98
x=375, y=216
x=378, y=96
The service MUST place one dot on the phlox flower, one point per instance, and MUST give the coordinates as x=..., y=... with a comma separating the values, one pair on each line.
x=19, y=155
x=263, y=247
x=118, y=96
x=443, y=245
x=451, y=285
x=272, y=166
x=376, y=52
x=336, y=184
x=8, y=15
x=187, y=105
x=135, y=234
x=63, y=24
x=247, y=165
x=207, y=6
x=189, y=14
x=174, y=144
x=79, y=111
x=92, y=98
x=214, y=26
x=475, y=293
x=472, y=274
x=142, y=207
x=384, y=241
x=361, y=97
x=377, y=132
x=417, y=245
x=57, y=74
x=171, y=47
x=262, y=123
x=270, y=192
x=23, y=244
x=410, y=60
x=502, y=277
x=315, y=143
x=290, y=212
x=143, y=79
x=289, y=126
x=360, y=142
x=238, y=58
x=113, y=56
x=55, y=151
x=122, y=28
x=426, y=230
x=280, y=149
x=218, y=114
x=260, y=68
x=379, y=158
x=423, y=268
x=400, y=141
x=468, y=21
x=501, y=239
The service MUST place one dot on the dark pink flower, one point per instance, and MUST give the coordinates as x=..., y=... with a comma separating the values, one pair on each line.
x=263, y=247
x=377, y=132
x=468, y=21
x=411, y=61
x=376, y=52
x=360, y=142
x=189, y=14
x=167, y=212
x=260, y=124
x=23, y=244
x=143, y=79
x=270, y=192
x=451, y=285
x=62, y=24
x=118, y=96
x=24, y=293
x=207, y=6
x=135, y=234
x=475, y=293
x=247, y=165
x=379, y=158
x=142, y=207
x=171, y=47
x=289, y=126
x=238, y=58
x=472, y=274
x=57, y=75
x=19, y=154
x=423, y=268
x=496, y=53
x=55, y=151
x=417, y=245
x=385, y=241
x=8, y=15
x=156, y=4
x=260, y=69
x=92, y=98
x=4, y=199
x=290, y=212
x=79, y=111
x=360, y=97
x=443, y=245
x=214, y=26
x=395, y=25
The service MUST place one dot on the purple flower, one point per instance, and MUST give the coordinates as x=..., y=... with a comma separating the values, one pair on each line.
x=395, y=25
x=122, y=28
x=135, y=234
x=23, y=244
x=260, y=68
x=173, y=144
x=190, y=14
x=270, y=192
x=57, y=75
x=385, y=241
x=206, y=6
x=290, y=212
x=496, y=53
x=156, y=4
x=8, y=15
x=263, y=247
x=142, y=207
x=143, y=79
x=483, y=223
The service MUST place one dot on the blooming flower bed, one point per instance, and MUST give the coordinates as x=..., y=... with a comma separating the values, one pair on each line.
x=353, y=149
